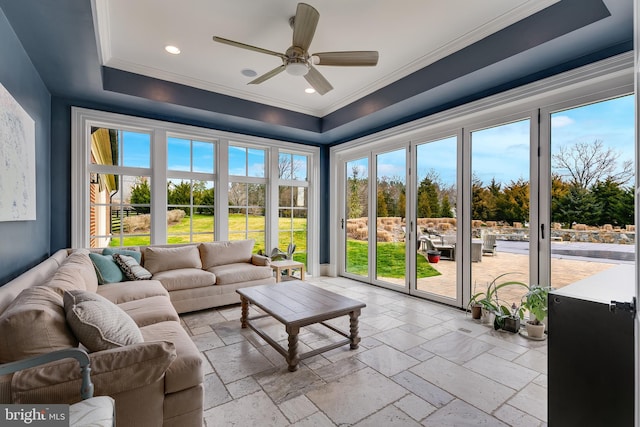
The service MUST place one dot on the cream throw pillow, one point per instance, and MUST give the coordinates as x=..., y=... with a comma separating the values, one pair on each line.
x=163, y=259
x=98, y=323
x=34, y=324
x=221, y=253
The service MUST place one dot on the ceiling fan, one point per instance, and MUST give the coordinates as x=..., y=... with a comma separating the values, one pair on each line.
x=298, y=62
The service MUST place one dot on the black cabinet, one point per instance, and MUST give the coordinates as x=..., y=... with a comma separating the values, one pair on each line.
x=591, y=352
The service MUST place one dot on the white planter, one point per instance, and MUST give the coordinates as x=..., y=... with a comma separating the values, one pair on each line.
x=535, y=331
x=487, y=317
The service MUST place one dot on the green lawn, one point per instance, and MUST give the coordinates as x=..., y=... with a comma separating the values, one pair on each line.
x=391, y=260
x=391, y=256
x=179, y=233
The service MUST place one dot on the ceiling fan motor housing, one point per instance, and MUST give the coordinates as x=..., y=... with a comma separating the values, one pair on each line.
x=297, y=62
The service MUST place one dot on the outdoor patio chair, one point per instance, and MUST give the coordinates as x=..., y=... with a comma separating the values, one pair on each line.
x=447, y=251
x=489, y=244
x=94, y=411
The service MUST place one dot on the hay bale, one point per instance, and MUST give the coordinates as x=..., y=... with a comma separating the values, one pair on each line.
x=174, y=216
x=630, y=228
x=492, y=223
x=444, y=226
x=384, y=236
x=607, y=227
x=517, y=225
x=580, y=227
x=135, y=223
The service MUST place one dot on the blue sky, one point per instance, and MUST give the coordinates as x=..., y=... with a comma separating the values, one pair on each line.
x=503, y=151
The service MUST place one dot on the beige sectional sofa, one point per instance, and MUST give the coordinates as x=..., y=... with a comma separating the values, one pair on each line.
x=145, y=359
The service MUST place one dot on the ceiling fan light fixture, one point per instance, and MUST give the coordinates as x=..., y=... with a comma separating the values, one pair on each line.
x=297, y=68
x=310, y=90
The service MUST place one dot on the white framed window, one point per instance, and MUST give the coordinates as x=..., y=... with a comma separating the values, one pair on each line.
x=190, y=189
x=293, y=203
x=128, y=185
x=247, y=195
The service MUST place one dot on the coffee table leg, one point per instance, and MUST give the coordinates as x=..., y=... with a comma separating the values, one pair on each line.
x=353, y=329
x=244, y=304
x=292, y=356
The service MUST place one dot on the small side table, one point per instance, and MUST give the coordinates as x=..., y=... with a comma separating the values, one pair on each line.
x=289, y=265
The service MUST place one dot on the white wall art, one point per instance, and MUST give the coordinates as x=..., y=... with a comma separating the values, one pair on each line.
x=17, y=161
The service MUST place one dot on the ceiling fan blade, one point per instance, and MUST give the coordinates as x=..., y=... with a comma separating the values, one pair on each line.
x=267, y=76
x=247, y=46
x=304, y=25
x=317, y=81
x=356, y=58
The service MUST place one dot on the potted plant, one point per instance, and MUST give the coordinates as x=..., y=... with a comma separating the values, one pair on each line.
x=490, y=304
x=433, y=256
x=536, y=302
x=509, y=318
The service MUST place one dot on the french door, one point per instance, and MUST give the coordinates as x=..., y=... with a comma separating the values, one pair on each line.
x=546, y=195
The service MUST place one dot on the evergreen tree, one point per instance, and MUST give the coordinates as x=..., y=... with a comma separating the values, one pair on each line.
x=141, y=194
x=382, y=204
x=445, y=207
x=578, y=205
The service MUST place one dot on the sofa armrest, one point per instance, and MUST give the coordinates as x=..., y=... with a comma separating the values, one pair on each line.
x=260, y=260
x=112, y=371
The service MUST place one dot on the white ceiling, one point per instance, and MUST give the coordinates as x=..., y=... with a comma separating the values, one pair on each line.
x=409, y=34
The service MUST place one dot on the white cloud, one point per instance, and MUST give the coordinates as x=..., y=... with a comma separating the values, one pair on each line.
x=561, y=121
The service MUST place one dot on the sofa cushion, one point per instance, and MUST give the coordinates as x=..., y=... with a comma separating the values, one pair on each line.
x=240, y=272
x=185, y=278
x=150, y=310
x=121, y=292
x=98, y=323
x=129, y=252
x=163, y=259
x=186, y=371
x=34, y=323
x=131, y=268
x=106, y=269
x=220, y=253
x=80, y=262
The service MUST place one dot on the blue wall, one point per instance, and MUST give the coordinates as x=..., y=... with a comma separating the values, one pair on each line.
x=25, y=243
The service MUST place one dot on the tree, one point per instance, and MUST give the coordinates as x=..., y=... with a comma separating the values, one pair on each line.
x=584, y=164
x=513, y=203
x=445, y=207
x=354, y=202
x=614, y=203
x=428, y=196
x=141, y=195
x=382, y=204
x=578, y=205
x=480, y=200
x=179, y=195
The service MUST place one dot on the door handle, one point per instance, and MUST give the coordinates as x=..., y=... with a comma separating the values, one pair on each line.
x=342, y=223
x=542, y=231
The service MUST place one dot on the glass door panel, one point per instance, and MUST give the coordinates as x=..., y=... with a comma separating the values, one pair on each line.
x=592, y=190
x=436, y=227
x=390, y=217
x=500, y=208
x=356, y=228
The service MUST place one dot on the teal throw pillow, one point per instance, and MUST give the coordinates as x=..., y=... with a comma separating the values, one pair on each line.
x=135, y=254
x=106, y=269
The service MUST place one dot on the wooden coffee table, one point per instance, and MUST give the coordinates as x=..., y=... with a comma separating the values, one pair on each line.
x=298, y=304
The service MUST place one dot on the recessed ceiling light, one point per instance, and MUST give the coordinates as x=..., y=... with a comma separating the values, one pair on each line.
x=248, y=72
x=310, y=90
x=172, y=49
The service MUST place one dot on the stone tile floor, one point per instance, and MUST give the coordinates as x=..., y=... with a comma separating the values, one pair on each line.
x=419, y=363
